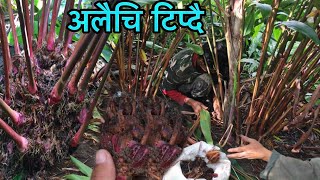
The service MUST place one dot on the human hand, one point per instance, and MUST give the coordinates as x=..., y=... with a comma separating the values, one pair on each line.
x=104, y=168
x=253, y=150
x=196, y=105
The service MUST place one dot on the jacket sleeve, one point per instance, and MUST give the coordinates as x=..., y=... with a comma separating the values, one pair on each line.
x=175, y=95
x=281, y=167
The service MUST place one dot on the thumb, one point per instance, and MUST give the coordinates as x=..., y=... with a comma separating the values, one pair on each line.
x=104, y=168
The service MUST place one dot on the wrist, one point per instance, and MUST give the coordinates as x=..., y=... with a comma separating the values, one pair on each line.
x=187, y=100
x=267, y=155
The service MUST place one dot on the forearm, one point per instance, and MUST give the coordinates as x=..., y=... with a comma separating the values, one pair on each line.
x=282, y=167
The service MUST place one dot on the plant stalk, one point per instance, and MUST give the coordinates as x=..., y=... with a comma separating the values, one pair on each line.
x=21, y=141
x=32, y=18
x=14, y=31
x=29, y=33
x=266, y=39
x=44, y=22
x=64, y=21
x=32, y=87
x=72, y=86
x=52, y=33
x=6, y=56
x=76, y=139
x=80, y=49
x=68, y=34
x=16, y=117
x=83, y=85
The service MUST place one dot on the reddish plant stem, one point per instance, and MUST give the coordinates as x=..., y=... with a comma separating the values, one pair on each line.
x=66, y=43
x=52, y=33
x=64, y=21
x=80, y=49
x=68, y=34
x=44, y=25
x=76, y=139
x=72, y=86
x=6, y=56
x=16, y=117
x=29, y=33
x=32, y=83
x=32, y=18
x=99, y=74
x=14, y=31
x=41, y=25
x=83, y=85
x=21, y=141
x=45, y=22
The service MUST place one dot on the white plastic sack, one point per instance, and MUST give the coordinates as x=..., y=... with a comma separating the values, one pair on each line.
x=200, y=149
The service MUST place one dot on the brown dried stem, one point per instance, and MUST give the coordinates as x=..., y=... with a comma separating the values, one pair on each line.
x=266, y=39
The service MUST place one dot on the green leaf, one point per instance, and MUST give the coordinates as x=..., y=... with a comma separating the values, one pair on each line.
x=114, y=37
x=205, y=124
x=197, y=134
x=82, y=167
x=264, y=8
x=251, y=61
x=195, y=48
x=19, y=34
x=76, y=36
x=106, y=53
x=96, y=114
x=75, y=177
x=277, y=138
x=38, y=4
x=303, y=29
x=249, y=21
x=157, y=48
x=19, y=176
x=94, y=128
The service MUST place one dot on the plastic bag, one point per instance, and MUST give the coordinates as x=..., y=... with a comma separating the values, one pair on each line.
x=200, y=149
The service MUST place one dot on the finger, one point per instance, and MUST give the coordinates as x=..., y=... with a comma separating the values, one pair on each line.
x=236, y=150
x=203, y=106
x=241, y=155
x=104, y=168
x=246, y=139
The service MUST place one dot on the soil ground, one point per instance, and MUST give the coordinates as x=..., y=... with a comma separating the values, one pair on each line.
x=85, y=153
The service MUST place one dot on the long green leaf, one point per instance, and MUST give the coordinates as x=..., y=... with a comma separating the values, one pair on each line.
x=82, y=167
x=205, y=124
x=157, y=48
x=302, y=28
x=195, y=48
x=75, y=177
x=96, y=114
x=264, y=8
